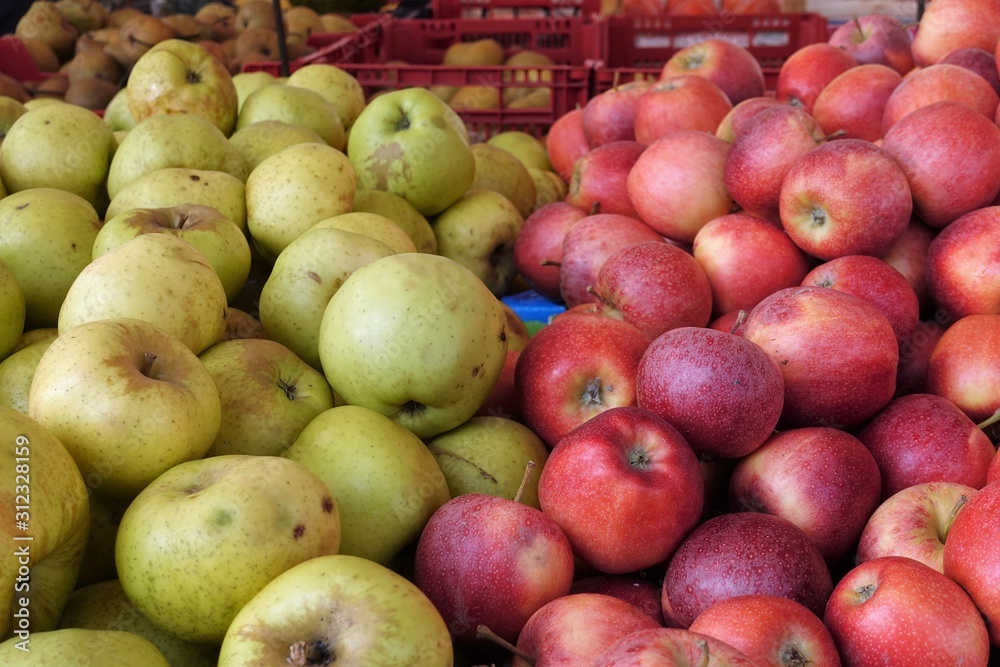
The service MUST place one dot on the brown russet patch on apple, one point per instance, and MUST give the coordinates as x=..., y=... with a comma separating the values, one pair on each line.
x=328, y=505
x=380, y=161
x=312, y=275
x=298, y=531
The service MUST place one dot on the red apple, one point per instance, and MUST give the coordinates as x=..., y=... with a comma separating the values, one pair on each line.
x=729, y=66
x=574, y=369
x=950, y=24
x=676, y=184
x=837, y=354
x=655, y=287
x=914, y=356
x=770, y=143
x=980, y=61
x=722, y=392
x=743, y=554
x=598, y=181
x=686, y=102
x=731, y=322
x=908, y=255
x=642, y=592
x=854, y=102
x=566, y=143
x=727, y=249
x=656, y=647
x=771, y=630
x=940, y=145
x=538, y=248
x=503, y=400
x=610, y=116
x=914, y=522
x=939, y=83
x=877, y=39
x=963, y=265
x=808, y=71
x=825, y=212
x=733, y=122
x=625, y=462
x=964, y=368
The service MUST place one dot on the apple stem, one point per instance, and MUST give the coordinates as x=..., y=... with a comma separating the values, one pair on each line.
x=959, y=504
x=835, y=135
x=615, y=79
x=595, y=208
x=483, y=632
x=857, y=24
x=593, y=293
x=524, y=481
x=147, y=363
x=741, y=317
x=550, y=262
x=990, y=421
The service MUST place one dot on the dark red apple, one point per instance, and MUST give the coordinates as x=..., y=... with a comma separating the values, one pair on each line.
x=538, y=248
x=878, y=39
x=808, y=71
x=908, y=255
x=674, y=647
x=503, y=400
x=610, y=116
x=677, y=103
x=642, y=592
x=963, y=265
x=726, y=64
x=980, y=61
x=854, y=102
x=964, y=367
x=566, y=143
x=914, y=356
x=940, y=83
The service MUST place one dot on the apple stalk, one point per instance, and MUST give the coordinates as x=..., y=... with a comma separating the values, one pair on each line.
x=483, y=632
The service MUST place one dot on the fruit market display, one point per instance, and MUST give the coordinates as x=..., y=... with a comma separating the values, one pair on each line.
x=266, y=397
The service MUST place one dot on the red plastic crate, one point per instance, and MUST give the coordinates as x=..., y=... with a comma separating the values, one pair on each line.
x=453, y=9
x=16, y=62
x=639, y=47
x=360, y=21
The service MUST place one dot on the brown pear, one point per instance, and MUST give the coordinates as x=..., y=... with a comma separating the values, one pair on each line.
x=301, y=22
x=337, y=23
x=43, y=21
x=53, y=86
x=92, y=93
x=526, y=58
x=475, y=97
x=94, y=64
x=188, y=27
x=85, y=15
x=45, y=58
x=140, y=34
x=12, y=88
x=482, y=52
x=255, y=14
x=119, y=17
x=261, y=42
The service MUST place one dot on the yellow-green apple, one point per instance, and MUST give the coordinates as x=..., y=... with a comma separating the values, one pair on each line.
x=914, y=356
x=925, y=438
x=248, y=82
x=262, y=139
x=500, y=171
x=339, y=87
x=722, y=392
x=958, y=368
x=683, y=102
x=873, y=280
x=372, y=225
x=474, y=541
x=104, y=606
x=724, y=249
x=909, y=256
x=276, y=189
x=538, y=248
x=16, y=372
x=172, y=140
x=737, y=117
x=879, y=39
x=837, y=354
x=401, y=212
x=549, y=640
x=60, y=146
x=416, y=337
x=549, y=187
x=173, y=186
x=952, y=24
x=478, y=231
x=525, y=147
x=45, y=240
x=296, y=106
x=744, y=553
x=117, y=115
x=676, y=184
x=488, y=455
x=589, y=243
x=937, y=83
x=45, y=22
x=304, y=278
x=963, y=265
x=128, y=281
x=598, y=183
x=301, y=22
x=808, y=71
x=648, y=463
x=854, y=102
x=762, y=154
x=654, y=286
x=412, y=144
x=769, y=630
x=47, y=531
x=10, y=111
x=729, y=66
x=160, y=406
x=914, y=522
x=823, y=480
x=933, y=621
x=566, y=143
x=207, y=229
x=12, y=311
x=680, y=647
x=610, y=115
x=82, y=648
x=200, y=514
x=980, y=61
x=268, y=396
x=341, y=608
x=386, y=482
x=641, y=591
x=180, y=76
x=950, y=133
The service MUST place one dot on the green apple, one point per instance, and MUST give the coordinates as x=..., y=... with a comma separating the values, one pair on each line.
x=45, y=240
x=268, y=396
x=338, y=609
x=16, y=372
x=157, y=278
x=498, y=170
x=128, y=401
x=33, y=335
x=74, y=647
x=99, y=558
x=340, y=88
x=117, y=116
x=401, y=212
x=259, y=141
x=11, y=312
x=39, y=102
x=205, y=536
x=489, y=455
x=215, y=235
x=478, y=231
x=61, y=146
x=176, y=76
x=104, y=606
x=525, y=147
x=173, y=140
x=247, y=82
x=416, y=337
x=45, y=491
x=10, y=111
x=295, y=106
x=549, y=187
x=178, y=185
x=305, y=277
x=412, y=144
x=294, y=189
x=373, y=225
x=386, y=482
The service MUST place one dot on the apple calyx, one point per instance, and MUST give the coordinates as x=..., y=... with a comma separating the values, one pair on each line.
x=865, y=592
x=288, y=388
x=146, y=367
x=638, y=457
x=303, y=653
x=403, y=124
x=791, y=657
x=550, y=262
x=483, y=632
x=819, y=217
x=411, y=408
x=592, y=393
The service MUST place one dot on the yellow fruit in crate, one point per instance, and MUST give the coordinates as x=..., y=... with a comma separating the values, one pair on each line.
x=526, y=58
x=301, y=22
x=445, y=93
x=482, y=52
x=334, y=22
x=475, y=97
x=539, y=98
